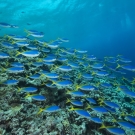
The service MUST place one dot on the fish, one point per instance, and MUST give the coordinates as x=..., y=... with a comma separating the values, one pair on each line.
x=36, y=97
x=14, y=26
x=35, y=76
x=50, y=75
x=126, y=124
x=88, y=88
x=64, y=39
x=50, y=85
x=91, y=100
x=27, y=23
x=97, y=66
x=130, y=118
x=15, y=69
x=63, y=83
x=53, y=45
x=65, y=68
x=62, y=59
x=7, y=45
x=91, y=58
x=19, y=38
x=66, y=77
x=32, y=47
x=124, y=60
x=114, y=130
x=22, y=43
x=31, y=53
x=99, y=109
x=49, y=63
x=110, y=109
x=28, y=89
x=76, y=93
x=87, y=76
x=4, y=55
x=106, y=85
x=6, y=25
x=45, y=50
x=11, y=82
x=30, y=31
x=37, y=64
x=129, y=93
x=81, y=51
x=17, y=64
x=36, y=34
x=96, y=120
x=73, y=65
x=75, y=102
x=49, y=109
x=81, y=112
x=111, y=60
x=110, y=104
x=126, y=67
x=49, y=59
x=102, y=73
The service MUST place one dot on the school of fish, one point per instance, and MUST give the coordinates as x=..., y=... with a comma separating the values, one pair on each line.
x=93, y=88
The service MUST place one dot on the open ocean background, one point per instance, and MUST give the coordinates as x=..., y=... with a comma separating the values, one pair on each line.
x=103, y=27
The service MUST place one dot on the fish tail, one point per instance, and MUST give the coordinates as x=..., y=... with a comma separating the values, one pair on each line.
x=118, y=66
x=28, y=95
x=102, y=126
x=18, y=53
x=68, y=100
x=40, y=111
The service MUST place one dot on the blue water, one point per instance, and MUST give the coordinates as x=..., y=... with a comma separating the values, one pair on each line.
x=104, y=27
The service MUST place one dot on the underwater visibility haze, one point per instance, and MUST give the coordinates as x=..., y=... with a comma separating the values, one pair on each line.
x=67, y=67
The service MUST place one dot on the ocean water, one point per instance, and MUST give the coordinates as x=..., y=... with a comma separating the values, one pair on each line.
x=102, y=27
